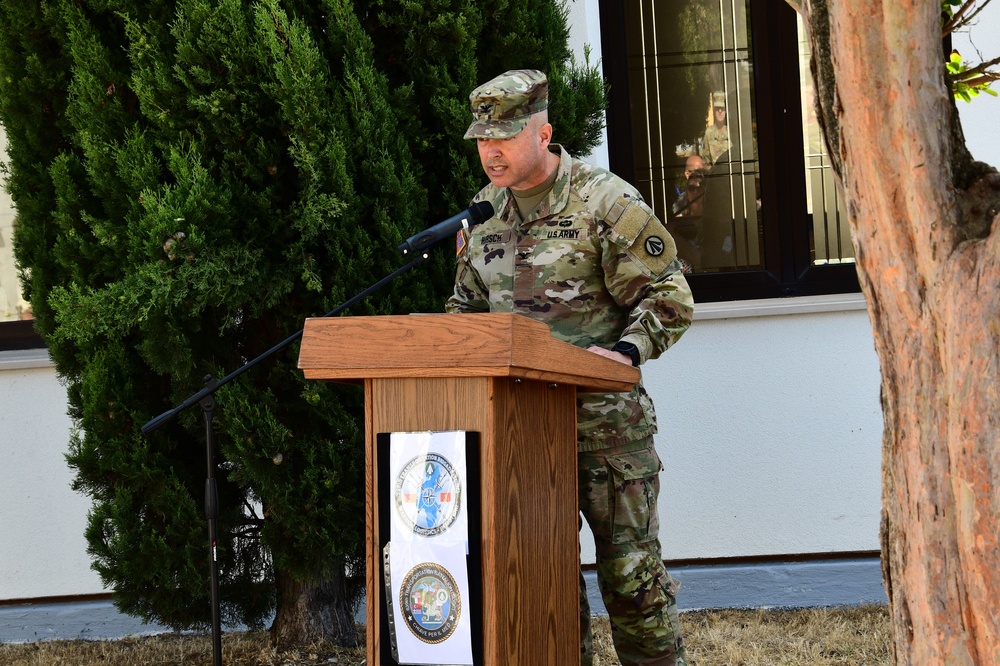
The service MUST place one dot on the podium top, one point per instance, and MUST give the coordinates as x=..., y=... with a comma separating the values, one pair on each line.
x=453, y=345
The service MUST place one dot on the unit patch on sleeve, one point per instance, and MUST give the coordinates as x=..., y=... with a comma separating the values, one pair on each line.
x=646, y=238
x=654, y=248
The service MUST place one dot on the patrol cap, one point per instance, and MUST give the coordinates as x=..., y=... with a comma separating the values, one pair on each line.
x=502, y=106
x=719, y=99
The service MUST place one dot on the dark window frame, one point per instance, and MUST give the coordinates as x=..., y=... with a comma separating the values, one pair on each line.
x=787, y=225
x=18, y=335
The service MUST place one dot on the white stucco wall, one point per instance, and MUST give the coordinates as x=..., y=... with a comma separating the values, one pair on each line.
x=43, y=552
x=776, y=447
x=770, y=431
x=770, y=438
x=585, y=31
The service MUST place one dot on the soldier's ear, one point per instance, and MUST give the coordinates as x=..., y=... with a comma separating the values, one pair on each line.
x=545, y=134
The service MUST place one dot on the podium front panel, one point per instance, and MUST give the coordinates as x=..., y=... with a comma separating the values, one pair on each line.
x=529, y=541
x=470, y=493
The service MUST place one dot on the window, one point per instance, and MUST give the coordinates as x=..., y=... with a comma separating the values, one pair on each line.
x=711, y=119
x=832, y=242
x=16, y=330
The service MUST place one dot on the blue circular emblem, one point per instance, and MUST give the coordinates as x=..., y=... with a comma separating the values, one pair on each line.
x=428, y=495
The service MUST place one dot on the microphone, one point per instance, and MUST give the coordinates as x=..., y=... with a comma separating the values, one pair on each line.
x=475, y=214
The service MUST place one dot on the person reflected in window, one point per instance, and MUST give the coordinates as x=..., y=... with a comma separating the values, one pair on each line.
x=691, y=200
x=715, y=236
x=685, y=225
x=716, y=140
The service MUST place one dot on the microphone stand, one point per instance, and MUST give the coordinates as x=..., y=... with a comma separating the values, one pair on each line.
x=206, y=398
x=212, y=515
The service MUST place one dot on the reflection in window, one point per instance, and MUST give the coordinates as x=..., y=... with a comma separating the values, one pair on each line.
x=693, y=131
x=831, y=240
x=12, y=306
x=694, y=135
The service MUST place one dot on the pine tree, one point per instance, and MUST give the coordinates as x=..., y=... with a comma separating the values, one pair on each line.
x=192, y=179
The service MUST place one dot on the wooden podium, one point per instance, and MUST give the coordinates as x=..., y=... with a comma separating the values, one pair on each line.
x=506, y=378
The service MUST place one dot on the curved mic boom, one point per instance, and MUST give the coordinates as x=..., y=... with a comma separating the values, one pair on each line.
x=475, y=214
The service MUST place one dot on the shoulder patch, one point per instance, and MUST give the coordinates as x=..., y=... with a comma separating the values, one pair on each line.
x=647, y=240
x=654, y=248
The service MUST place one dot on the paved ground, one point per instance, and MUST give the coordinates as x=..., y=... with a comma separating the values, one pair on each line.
x=781, y=585
x=80, y=619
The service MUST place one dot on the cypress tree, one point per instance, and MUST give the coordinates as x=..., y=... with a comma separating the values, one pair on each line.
x=192, y=179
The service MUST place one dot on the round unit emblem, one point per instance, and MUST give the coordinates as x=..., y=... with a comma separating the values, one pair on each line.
x=655, y=246
x=430, y=602
x=428, y=494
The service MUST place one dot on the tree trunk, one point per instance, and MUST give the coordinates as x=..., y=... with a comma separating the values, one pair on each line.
x=308, y=613
x=927, y=258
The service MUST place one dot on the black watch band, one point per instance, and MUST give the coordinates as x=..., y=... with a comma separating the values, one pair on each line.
x=629, y=350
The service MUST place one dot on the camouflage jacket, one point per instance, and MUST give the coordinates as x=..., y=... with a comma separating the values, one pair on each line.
x=715, y=143
x=594, y=264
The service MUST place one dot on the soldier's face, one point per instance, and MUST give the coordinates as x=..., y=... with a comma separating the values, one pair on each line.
x=520, y=162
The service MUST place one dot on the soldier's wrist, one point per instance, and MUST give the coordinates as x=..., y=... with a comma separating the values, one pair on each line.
x=629, y=350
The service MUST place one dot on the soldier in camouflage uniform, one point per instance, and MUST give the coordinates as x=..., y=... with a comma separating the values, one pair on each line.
x=575, y=246
x=716, y=140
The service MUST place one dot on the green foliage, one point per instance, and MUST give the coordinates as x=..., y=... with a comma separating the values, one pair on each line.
x=967, y=83
x=192, y=179
x=948, y=7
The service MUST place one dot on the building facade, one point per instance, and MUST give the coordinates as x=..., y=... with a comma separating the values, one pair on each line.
x=770, y=422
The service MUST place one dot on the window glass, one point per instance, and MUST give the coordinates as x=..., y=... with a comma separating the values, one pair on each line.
x=690, y=77
x=712, y=117
x=12, y=306
x=16, y=324
x=831, y=240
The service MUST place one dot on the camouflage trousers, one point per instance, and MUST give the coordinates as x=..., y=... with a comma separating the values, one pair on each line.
x=618, y=491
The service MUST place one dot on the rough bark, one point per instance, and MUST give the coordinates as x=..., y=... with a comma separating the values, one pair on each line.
x=313, y=612
x=924, y=221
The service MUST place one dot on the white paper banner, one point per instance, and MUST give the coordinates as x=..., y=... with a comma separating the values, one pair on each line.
x=429, y=483
x=430, y=603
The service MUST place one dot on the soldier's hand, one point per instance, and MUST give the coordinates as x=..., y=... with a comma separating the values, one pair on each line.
x=613, y=355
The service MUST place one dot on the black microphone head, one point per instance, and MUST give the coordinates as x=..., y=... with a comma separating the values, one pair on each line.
x=481, y=211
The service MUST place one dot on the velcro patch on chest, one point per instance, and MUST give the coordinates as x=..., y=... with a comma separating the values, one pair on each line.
x=558, y=232
x=483, y=239
x=646, y=238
